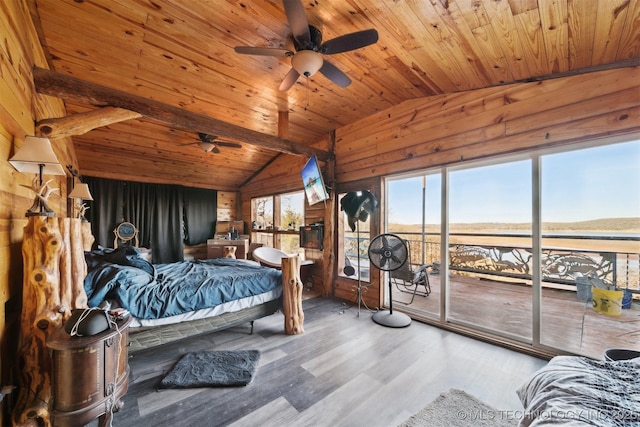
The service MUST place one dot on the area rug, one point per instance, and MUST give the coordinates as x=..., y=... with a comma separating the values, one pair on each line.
x=213, y=369
x=455, y=408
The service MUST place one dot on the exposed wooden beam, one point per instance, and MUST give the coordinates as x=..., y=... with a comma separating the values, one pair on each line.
x=81, y=123
x=51, y=83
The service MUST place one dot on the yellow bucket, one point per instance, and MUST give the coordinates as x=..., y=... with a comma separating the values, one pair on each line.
x=607, y=302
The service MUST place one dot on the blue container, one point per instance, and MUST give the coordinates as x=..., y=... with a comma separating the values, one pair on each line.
x=627, y=297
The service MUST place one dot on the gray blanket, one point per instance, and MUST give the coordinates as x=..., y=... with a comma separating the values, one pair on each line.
x=577, y=391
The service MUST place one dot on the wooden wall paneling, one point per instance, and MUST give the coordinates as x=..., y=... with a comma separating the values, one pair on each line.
x=450, y=130
x=227, y=208
x=614, y=101
x=443, y=116
x=20, y=108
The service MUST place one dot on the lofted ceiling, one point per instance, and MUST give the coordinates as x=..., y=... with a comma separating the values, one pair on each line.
x=181, y=53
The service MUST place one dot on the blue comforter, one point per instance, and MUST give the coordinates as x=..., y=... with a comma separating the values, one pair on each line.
x=155, y=291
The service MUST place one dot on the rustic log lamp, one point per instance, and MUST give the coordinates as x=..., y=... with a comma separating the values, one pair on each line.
x=36, y=156
x=80, y=193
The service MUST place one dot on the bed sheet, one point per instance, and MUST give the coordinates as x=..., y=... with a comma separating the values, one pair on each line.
x=163, y=290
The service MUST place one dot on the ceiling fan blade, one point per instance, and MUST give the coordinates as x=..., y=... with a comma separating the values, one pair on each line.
x=215, y=148
x=297, y=20
x=331, y=72
x=228, y=144
x=349, y=42
x=289, y=80
x=263, y=51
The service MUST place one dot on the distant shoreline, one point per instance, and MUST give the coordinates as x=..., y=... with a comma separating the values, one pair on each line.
x=619, y=227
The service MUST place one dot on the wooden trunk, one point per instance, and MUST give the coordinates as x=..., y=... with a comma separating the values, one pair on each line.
x=292, y=296
x=53, y=275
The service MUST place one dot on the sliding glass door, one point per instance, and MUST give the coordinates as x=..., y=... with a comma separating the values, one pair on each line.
x=490, y=248
x=413, y=213
x=542, y=248
x=590, y=220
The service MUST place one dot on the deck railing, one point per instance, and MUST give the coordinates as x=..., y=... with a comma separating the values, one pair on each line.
x=564, y=257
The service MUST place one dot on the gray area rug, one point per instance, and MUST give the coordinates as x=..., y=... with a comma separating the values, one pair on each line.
x=455, y=408
x=213, y=369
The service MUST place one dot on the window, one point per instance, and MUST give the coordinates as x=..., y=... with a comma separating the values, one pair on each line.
x=275, y=221
x=522, y=234
x=353, y=247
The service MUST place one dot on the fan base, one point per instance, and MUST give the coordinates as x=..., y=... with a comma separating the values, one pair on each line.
x=392, y=320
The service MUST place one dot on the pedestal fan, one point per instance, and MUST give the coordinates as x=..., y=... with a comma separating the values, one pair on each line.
x=389, y=252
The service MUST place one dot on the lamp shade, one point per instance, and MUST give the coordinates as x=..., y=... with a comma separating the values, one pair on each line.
x=36, y=151
x=80, y=191
x=307, y=62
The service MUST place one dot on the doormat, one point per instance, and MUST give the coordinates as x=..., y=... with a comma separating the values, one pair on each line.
x=213, y=369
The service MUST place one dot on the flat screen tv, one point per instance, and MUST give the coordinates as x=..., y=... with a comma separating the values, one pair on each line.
x=313, y=183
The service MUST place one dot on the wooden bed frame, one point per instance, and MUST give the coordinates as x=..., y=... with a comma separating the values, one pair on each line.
x=146, y=337
x=290, y=304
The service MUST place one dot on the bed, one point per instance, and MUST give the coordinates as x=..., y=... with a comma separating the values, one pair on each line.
x=171, y=301
x=579, y=391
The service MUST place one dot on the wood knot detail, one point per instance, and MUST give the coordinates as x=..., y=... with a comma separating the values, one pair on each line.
x=43, y=324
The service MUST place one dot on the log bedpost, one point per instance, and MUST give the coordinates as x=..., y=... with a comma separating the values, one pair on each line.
x=292, y=296
x=53, y=276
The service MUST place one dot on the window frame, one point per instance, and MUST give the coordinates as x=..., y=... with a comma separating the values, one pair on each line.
x=275, y=231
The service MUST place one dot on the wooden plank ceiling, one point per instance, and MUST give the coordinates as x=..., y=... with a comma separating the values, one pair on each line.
x=180, y=52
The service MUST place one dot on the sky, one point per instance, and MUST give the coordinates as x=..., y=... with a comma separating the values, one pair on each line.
x=592, y=183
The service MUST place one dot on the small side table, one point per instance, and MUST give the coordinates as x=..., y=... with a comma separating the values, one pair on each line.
x=90, y=375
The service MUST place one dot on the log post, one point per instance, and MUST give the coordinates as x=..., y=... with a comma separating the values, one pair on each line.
x=53, y=283
x=292, y=296
x=41, y=251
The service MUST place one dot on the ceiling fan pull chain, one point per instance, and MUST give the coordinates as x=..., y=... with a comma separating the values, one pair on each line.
x=307, y=104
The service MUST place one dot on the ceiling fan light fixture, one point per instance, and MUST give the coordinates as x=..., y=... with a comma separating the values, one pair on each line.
x=206, y=146
x=307, y=62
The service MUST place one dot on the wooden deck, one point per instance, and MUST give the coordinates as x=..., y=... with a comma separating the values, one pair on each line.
x=568, y=324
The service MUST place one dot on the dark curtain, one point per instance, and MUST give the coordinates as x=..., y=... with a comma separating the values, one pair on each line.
x=166, y=225
x=105, y=211
x=155, y=210
x=200, y=214
x=139, y=204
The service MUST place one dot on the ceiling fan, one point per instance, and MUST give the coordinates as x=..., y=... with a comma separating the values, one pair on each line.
x=307, y=40
x=209, y=143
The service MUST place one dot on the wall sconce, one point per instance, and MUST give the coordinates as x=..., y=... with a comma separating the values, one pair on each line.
x=80, y=192
x=36, y=156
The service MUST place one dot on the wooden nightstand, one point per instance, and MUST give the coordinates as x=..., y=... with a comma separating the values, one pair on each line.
x=90, y=375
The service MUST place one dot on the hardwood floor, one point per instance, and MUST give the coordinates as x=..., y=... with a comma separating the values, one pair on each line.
x=344, y=370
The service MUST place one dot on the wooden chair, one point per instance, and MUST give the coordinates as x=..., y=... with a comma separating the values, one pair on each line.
x=410, y=281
